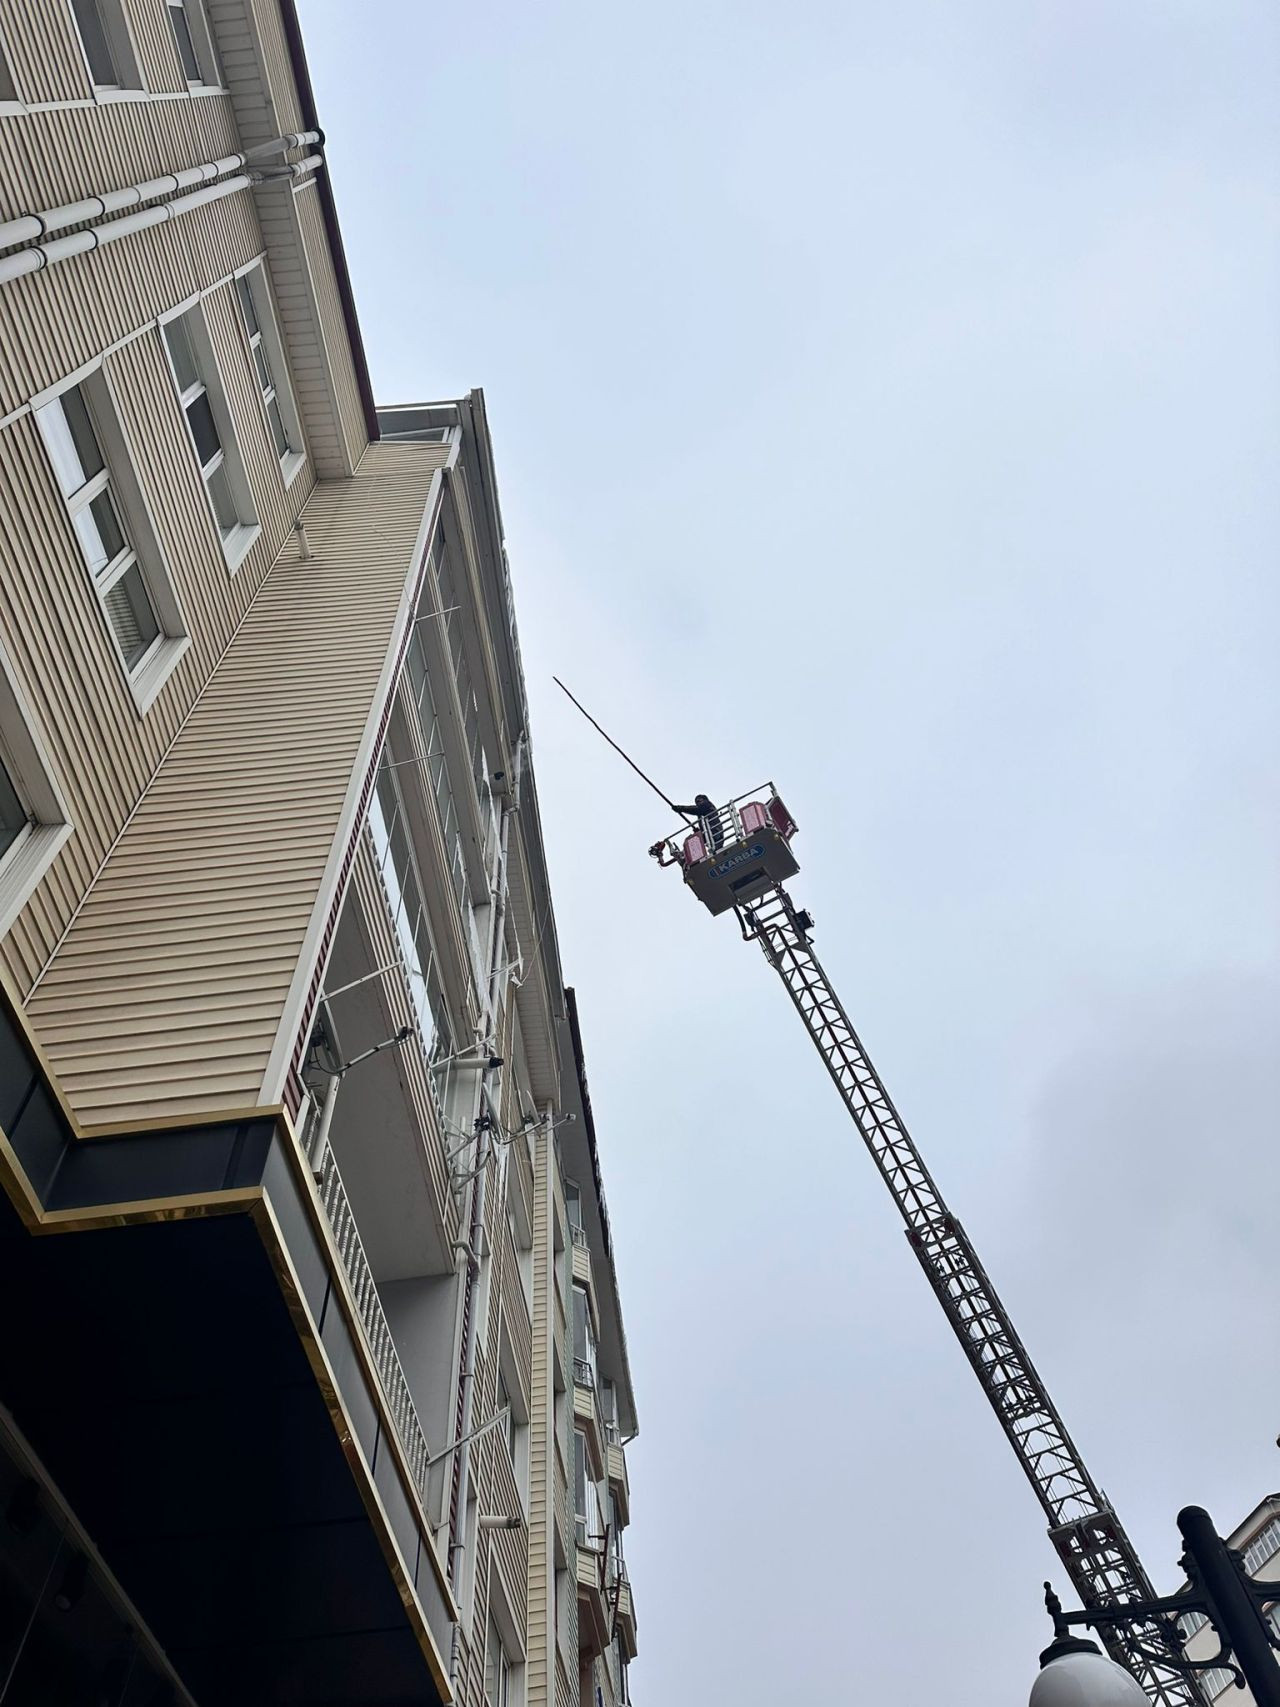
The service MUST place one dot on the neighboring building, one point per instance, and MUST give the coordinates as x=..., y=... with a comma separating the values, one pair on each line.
x=313, y=1385
x=1257, y=1540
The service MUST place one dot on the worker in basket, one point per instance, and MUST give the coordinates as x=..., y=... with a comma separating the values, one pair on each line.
x=708, y=820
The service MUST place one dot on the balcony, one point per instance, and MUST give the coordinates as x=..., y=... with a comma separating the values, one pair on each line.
x=259, y=1433
x=388, y=1128
x=624, y=1620
x=586, y=1406
x=581, y=1257
x=594, y=1621
x=616, y=1465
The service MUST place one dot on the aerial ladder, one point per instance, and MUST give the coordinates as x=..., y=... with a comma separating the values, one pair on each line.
x=738, y=857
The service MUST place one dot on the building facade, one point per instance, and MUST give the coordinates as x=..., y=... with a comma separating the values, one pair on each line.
x=1257, y=1540
x=313, y=1385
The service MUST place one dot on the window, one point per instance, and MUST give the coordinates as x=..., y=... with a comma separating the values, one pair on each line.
x=389, y=830
x=267, y=354
x=512, y=1424
x=200, y=392
x=34, y=821
x=72, y=442
x=586, y=1497
x=497, y=1671
x=105, y=39
x=423, y=695
x=7, y=90
x=609, y=1410
x=1264, y=1546
x=453, y=627
x=584, y=1340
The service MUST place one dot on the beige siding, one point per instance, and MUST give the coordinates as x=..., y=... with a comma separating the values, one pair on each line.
x=166, y=997
x=153, y=43
x=274, y=59
x=63, y=153
x=52, y=623
x=44, y=50
x=337, y=347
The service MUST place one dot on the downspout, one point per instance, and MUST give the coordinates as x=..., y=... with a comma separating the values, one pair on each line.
x=498, y=972
x=100, y=202
x=42, y=255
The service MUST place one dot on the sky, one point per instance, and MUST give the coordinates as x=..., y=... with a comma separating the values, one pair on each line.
x=886, y=401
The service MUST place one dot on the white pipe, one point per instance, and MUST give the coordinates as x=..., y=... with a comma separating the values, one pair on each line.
x=291, y=169
x=43, y=255
x=476, y=1228
x=321, y=1145
x=29, y=225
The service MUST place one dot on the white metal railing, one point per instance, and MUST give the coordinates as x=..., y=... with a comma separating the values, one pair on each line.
x=584, y=1374
x=578, y=1235
x=365, y=1292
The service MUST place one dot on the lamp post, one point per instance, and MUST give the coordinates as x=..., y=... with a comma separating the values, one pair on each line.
x=1075, y=1674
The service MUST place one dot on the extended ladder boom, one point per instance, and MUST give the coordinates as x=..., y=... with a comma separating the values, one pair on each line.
x=1095, y=1551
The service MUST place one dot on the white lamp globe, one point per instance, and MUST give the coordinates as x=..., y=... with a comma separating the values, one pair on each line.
x=1074, y=1674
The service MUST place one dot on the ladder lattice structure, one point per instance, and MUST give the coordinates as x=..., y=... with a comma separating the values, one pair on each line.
x=1096, y=1553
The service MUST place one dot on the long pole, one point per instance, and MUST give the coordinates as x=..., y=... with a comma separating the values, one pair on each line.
x=1235, y=1613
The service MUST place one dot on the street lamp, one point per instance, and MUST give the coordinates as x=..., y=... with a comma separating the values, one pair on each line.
x=1075, y=1674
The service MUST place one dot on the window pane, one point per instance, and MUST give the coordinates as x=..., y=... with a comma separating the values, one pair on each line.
x=132, y=619
x=204, y=429
x=186, y=47
x=244, y=290
x=13, y=817
x=99, y=532
x=264, y=372
x=7, y=90
x=183, y=356
x=68, y=433
x=278, y=435
x=97, y=46
x=224, y=505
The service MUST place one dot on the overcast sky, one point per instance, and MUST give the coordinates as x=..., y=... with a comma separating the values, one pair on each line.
x=886, y=400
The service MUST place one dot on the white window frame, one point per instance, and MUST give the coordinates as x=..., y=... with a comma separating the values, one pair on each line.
x=515, y=1434
x=26, y=759
x=10, y=100
x=115, y=28
x=237, y=541
x=202, y=44
x=119, y=476
x=267, y=342
x=503, y=1683
x=497, y=1669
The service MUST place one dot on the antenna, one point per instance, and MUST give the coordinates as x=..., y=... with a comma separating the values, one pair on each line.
x=617, y=749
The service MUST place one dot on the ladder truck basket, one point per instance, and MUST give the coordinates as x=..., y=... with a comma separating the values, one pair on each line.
x=737, y=853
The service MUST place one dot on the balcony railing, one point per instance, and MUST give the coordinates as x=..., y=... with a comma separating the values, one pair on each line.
x=369, y=1306
x=583, y=1374
x=578, y=1235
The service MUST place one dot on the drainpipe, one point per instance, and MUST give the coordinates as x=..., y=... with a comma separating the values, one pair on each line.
x=42, y=255
x=475, y=1229
x=99, y=202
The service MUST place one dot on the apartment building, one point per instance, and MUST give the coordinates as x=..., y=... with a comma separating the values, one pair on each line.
x=1257, y=1540
x=313, y=1382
